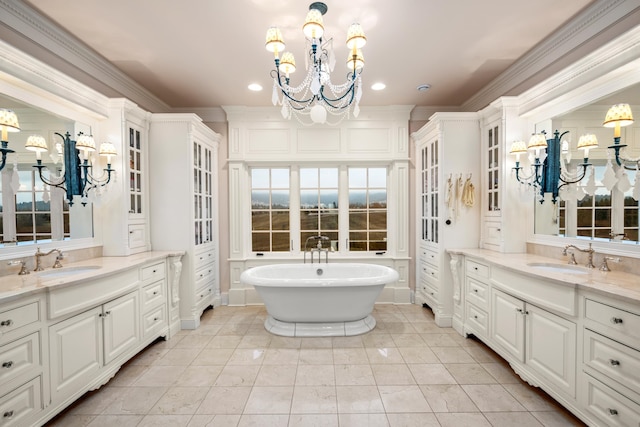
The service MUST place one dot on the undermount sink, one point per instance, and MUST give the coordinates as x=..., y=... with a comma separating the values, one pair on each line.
x=559, y=268
x=66, y=271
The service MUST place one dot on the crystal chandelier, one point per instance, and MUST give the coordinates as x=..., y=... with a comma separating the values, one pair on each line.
x=317, y=95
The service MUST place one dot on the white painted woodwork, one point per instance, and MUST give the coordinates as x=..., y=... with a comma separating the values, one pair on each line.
x=121, y=322
x=507, y=323
x=174, y=141
x=447, y=146
x=21, y=404
x=377, y=138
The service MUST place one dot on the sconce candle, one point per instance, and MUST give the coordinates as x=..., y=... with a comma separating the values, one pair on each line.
x=38, y=144
x=620, y=115
x=587, y=142
x=8, y=123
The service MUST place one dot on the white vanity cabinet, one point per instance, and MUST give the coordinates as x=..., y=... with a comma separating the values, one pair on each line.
x=184, y=206
x=81, y=345
x=448, y=147
x=611, y=360
x=128, y=128
x=543, y=341
x=22, y=376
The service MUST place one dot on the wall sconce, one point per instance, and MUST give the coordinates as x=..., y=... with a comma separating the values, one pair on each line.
x=546, y=170
x=620, y=115
x=78, y=179
x=8, y=123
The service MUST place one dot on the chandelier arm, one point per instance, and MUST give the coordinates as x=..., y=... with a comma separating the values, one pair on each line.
x=575, y=180
x=49, y=182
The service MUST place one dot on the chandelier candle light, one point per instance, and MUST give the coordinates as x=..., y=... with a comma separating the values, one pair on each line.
x=317, y=95
x=620, y=115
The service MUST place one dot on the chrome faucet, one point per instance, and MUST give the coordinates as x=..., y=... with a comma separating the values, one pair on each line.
x=589, y=251
x=318, y=248
x=40, y=254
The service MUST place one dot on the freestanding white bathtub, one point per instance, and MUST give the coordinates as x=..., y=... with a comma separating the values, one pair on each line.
x=306, y=300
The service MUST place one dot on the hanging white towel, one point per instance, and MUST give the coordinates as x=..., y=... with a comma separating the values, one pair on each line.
x=468, y=193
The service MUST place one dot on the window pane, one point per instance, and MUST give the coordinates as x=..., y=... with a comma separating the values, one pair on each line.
x=377, y=177
x=308, y=178
x=259, y=178
x=260, y=242
x=329, y=199
x=280, y=199
x=357, y=178
x=378, y=199
x=329, y=178
x=357, y=199
x=280, y=220
x=309, y=220
x=280, y=242
x=378, y=220
x=308, y=199
x=260, y=220
x=329, y=220
x=279, y=178
x=357, y=220
x=259, y=199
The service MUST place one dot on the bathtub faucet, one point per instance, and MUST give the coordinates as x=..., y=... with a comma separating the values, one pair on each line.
x=319, y=239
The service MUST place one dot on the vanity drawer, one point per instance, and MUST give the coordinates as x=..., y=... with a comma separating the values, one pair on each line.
x=204, y=275
x=17, y=406
x=476, y=268
x=429, y=256
x=18, y=357
x=616, y=361
x=609, y=406
x=154, y=320
x=153, y=295
x=429, y=290
x=153, y=272
x=203, y=296
x=478, y=293
x=18, y=317
x=429, y=272
x=478, y=320
x=203, y=258
x=612, y=318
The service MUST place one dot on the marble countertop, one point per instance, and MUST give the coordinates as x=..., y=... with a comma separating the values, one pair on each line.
x=15, y=286
x=611, y=283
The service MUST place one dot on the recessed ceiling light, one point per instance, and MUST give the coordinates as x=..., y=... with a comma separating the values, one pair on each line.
x=424, y=88
x=255, y=87
x=378, y=86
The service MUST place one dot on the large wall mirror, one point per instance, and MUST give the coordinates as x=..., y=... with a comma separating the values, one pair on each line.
x=30, y=211
x=606, y=207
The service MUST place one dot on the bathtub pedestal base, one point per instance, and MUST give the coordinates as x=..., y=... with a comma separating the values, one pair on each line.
x=332, y=329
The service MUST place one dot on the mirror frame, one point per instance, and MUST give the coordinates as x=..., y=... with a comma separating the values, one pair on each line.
x=608, y=70
x=32, y=82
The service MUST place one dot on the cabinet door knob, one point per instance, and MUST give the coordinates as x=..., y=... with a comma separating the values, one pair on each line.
x=7, y=322
x=475, y=317
x=8, y=364
x=8, y=414
x=613, y=411
x=155, y=292
x=475, y=290
x=614, y=362
x=616, y=320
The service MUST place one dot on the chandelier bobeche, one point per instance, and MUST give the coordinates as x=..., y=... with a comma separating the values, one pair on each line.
x=317, y=95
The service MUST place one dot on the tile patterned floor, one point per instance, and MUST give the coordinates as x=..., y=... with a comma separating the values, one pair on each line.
x=231, y=372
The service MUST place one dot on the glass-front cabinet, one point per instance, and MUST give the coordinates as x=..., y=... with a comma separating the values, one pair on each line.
x=136, y=169
x=183, y=206
x=449, y=147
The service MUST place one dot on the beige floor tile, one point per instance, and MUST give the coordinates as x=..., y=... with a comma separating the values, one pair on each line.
x=269, y=400
x=95, y=402
x=360, y=420
x=492, y=398
x=452, y=355
x=214, y=421
x=510, y=419
x=382, y=339
x=178, y=357
x=255, y=341
x=247, y=356
x=359, y=399
x=401, y=399
x=502, y=372
x=384, y=355
x=165, y=421
x=350, y=356
x=418, y=355
x=180, y=401
x=413, y=420
x=315, y=375
x=316, y=356
x=439, y=339
x=354, y=375
x=159, y=376
x=276, y=375
x=224, y=400
x=213, y=356
x=224, y=341
x=115, y=420
x=431, y=373
x=470, y=373
x=194, y=341
x=314, y=400
x=448, y=398
x=237, y=375
x=313, y=420
x=134, y=401
x=348, y=342
x=532, y=399
x=462, y=419
x=556, y=419
x=409, y=340
x=285, y=342
x=281, y=356
x=321, y=342
x=199, y=376
x=263, y=420
x=392, y=374
x=70, y=420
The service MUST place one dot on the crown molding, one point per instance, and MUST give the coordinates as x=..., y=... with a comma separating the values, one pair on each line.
x=41, y=31
x=597, y=18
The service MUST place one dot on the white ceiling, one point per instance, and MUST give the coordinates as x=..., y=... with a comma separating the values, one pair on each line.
x=204, y=53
